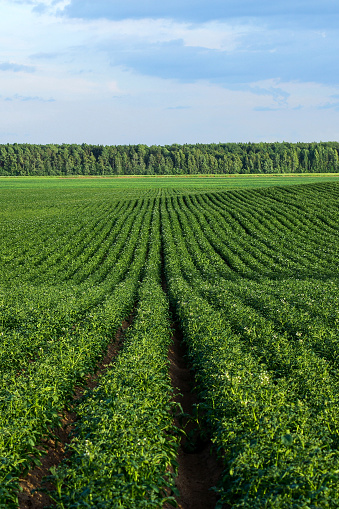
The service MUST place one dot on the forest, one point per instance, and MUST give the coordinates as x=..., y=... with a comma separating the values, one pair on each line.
x=215, y=158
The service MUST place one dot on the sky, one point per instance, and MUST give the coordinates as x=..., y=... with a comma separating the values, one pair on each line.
x=113, y=72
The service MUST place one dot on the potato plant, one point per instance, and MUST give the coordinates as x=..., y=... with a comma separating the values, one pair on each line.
x=252, y=275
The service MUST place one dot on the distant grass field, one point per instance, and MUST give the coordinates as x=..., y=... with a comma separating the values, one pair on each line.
x=43, y=196
x=151, y=182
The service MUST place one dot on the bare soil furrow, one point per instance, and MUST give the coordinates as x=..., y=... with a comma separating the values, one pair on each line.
x=199, y=468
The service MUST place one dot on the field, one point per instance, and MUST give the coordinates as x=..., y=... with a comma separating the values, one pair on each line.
x=99, y=279
x=134, y=182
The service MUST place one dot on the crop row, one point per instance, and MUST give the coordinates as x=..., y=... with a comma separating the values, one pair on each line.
x=42, y=364
x=268, y=375
x=124, y=452
x=253, y=277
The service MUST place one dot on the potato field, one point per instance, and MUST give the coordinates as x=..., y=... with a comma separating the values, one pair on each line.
x=249, y=276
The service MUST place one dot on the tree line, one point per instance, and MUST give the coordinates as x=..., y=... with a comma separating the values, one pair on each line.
x=213, y=158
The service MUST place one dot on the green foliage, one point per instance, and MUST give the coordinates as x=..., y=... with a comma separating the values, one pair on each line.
x=54, y=331
x=253, y=276
x=125, y=446
x=219, y=159
x=262, y=343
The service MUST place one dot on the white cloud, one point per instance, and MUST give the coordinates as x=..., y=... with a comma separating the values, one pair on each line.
x=212, y=35
x=308, y=94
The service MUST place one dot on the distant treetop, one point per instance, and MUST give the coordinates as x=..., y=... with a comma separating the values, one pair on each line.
x=213, y=158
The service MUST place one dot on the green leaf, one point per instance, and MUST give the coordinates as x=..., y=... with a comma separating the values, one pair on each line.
x=287, y=440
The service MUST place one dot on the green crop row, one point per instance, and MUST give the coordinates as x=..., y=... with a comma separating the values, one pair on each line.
x=253, y=276
x=36, y=387
x=270, y=395
x=124, y=452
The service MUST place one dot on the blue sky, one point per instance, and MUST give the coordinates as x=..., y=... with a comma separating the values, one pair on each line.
x=175, y=71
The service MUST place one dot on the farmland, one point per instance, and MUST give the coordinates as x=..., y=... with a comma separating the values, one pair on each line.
x=248, y=269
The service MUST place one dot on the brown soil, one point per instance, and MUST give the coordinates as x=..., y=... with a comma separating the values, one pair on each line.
x=56, y=448
x=199, y=468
